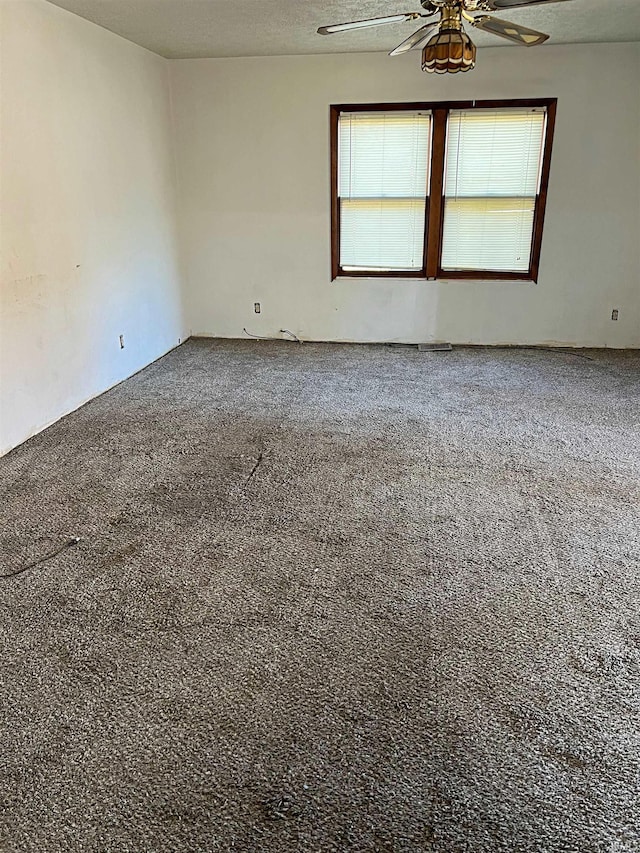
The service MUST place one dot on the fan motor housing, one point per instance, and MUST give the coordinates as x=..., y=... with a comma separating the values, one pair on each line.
x=437, y=5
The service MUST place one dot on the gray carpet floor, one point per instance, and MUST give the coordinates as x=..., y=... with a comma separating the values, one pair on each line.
x=328, y=598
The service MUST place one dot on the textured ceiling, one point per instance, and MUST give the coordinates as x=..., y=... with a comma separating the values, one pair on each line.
x=197, y=28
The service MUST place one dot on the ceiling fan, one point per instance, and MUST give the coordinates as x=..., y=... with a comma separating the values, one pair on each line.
x=447, y=47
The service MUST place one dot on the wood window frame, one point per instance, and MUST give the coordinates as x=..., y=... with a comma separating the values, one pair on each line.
x=434, y=213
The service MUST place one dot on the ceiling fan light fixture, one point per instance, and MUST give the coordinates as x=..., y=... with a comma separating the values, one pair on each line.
x=450, y=51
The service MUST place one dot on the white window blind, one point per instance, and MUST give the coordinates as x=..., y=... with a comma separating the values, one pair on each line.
x=492, y=179
x=383, y=166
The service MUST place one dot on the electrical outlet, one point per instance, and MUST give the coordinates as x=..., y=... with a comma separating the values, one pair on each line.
x=614, y=314
x=256, y=307
x=121, y=339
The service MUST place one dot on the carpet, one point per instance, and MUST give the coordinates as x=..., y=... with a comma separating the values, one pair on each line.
x=328, y=598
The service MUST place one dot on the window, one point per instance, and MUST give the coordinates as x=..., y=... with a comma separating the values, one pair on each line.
x=382, y=178
x=440, y=190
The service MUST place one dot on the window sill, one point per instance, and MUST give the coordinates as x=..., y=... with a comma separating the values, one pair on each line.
x=452, y=279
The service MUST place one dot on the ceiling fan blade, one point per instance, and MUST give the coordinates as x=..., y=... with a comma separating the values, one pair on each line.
x=507, y=30
x=497, y=5
x=369, y=22
x=414, y=40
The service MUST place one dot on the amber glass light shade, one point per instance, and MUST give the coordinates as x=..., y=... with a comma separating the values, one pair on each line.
x=449, y=52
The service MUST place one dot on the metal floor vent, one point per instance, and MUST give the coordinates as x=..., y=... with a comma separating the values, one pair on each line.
x=440, y=347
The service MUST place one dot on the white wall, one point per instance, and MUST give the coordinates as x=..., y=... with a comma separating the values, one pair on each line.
x=88, y=237
x=253, y=175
